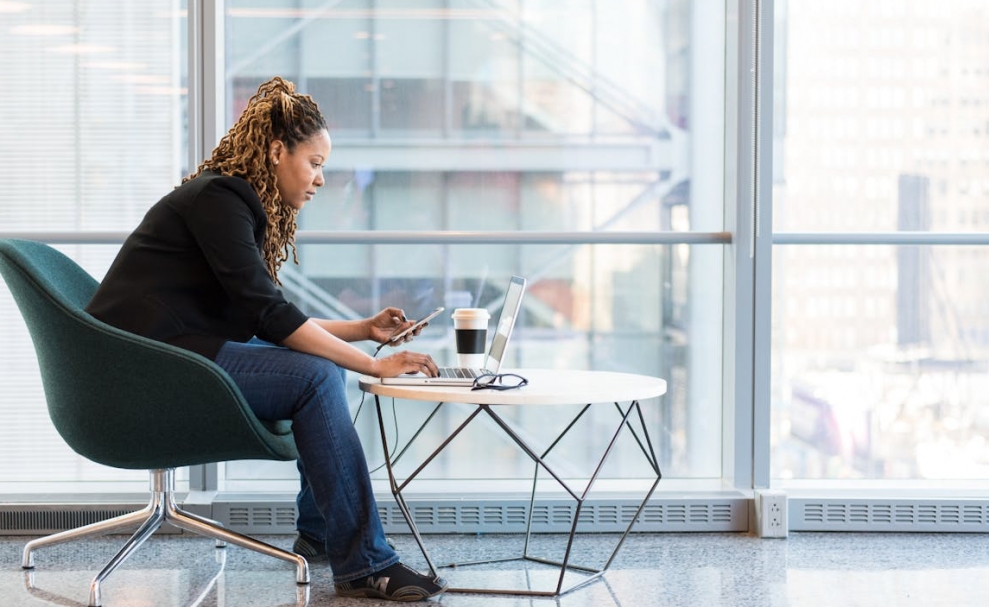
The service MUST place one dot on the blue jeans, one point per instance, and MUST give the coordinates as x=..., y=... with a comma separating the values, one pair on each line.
x=336, y=501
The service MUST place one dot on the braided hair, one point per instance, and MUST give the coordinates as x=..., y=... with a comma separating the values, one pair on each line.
x=276, y=111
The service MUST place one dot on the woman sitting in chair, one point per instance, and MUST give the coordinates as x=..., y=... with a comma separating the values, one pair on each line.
x=201, y=272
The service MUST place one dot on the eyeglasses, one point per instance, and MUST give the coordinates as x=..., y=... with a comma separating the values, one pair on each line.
x=499, y=381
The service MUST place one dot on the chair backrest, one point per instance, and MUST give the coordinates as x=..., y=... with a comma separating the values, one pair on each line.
x=120, y=399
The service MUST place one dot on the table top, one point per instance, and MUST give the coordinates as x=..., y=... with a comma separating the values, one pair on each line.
x=546, y=387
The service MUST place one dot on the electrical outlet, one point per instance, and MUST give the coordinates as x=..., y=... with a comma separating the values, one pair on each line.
x=771, y=513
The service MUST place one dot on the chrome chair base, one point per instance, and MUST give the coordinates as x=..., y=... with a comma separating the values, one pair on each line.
x=161, y=509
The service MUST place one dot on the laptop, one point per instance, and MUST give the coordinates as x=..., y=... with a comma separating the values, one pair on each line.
x=464, y=376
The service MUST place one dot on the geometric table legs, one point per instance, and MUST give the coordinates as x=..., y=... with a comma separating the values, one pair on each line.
x=629, y=419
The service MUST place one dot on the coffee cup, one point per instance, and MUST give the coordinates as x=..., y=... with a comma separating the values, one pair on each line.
x=471, y=328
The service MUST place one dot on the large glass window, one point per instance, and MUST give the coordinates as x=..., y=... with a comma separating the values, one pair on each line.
x=515, y=116
x=508, y=116
x=880, y=351
x=93, y=120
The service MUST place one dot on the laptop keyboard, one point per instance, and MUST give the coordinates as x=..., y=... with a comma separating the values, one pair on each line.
x=458, y=372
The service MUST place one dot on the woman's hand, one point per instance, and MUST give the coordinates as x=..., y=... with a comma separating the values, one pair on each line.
x=405, y=362
x=386, y=323
x=312, y=338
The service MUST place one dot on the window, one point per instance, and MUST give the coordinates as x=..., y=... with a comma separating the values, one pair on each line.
x=878, y=374
x=512, y=117
x=93, y=118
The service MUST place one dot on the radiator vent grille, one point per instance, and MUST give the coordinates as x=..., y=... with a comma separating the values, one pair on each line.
x=509, y=516
x=256, y=517
x=431, y=516
x=556, y=517
x=889, y=515
x=41, y=522
x=43, y=519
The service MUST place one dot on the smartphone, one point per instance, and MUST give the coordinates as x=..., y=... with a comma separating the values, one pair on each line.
x=418, y=324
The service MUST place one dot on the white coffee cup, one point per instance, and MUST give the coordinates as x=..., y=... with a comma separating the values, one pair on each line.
x=471, y=328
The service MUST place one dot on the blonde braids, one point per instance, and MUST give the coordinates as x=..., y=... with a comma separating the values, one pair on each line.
x=276, y=111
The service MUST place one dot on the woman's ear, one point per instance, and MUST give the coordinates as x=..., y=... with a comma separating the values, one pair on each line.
x=275, y=151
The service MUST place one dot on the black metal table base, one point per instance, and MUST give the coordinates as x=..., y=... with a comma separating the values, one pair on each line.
x=635, y=424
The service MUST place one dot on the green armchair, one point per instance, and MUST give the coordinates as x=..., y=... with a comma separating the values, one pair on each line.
x=129, y=402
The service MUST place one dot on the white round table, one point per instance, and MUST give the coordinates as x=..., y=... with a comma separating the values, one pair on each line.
x=546, y=387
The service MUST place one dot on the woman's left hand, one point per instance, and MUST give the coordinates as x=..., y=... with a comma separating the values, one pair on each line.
x=388, y=322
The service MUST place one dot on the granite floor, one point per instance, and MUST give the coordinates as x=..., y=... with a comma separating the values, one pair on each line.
x=699, y=569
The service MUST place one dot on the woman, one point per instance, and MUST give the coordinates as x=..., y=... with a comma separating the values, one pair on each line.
x=201, y=272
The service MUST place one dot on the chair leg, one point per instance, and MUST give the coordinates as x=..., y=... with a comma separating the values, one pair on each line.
x=191, y=522
x=202, y=519
x=161, y=509
x=143, y=533
x=131, y=519
x=210, y=528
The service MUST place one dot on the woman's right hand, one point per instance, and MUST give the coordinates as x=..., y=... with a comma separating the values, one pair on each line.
x=405, y=362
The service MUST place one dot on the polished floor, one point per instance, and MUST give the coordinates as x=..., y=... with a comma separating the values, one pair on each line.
x=807, y=569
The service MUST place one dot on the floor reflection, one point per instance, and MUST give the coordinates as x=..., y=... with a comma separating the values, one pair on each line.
x=54, y=583
x=805, y=570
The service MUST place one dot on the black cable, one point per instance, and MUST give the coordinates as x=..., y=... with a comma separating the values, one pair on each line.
x=394, y=414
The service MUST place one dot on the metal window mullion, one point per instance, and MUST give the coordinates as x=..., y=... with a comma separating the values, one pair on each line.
x=206, y=99
x=207, y=79
x=763, y=247
x=746, y=432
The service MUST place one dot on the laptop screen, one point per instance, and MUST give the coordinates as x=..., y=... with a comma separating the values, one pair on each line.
x=506, y=322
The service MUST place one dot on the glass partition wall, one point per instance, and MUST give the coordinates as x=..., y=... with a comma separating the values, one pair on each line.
x=635, y=184
x=604, y=173
x=511, y=119
x=880, y=322
x=93, y=115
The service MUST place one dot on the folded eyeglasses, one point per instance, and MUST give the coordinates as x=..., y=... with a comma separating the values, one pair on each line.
x=499, y=381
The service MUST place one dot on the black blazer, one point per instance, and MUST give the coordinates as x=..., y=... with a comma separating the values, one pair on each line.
x=192, y=274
